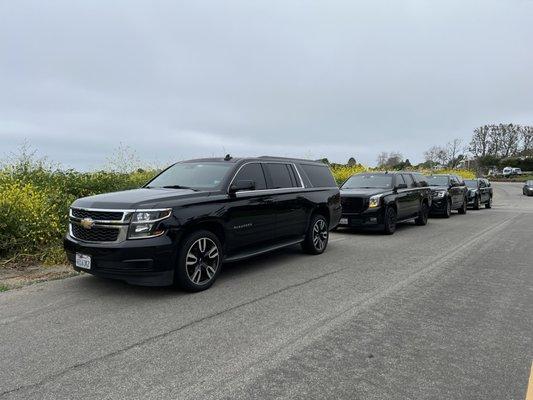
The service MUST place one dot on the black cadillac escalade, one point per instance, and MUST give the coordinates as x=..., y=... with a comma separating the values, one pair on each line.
x=379, y=200
x=181, y=226
x=449, y=193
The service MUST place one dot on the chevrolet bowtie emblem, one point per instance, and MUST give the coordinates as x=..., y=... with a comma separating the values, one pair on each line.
x=87, y=223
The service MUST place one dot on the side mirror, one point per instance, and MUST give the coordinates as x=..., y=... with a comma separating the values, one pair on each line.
x=238, y=186
x=401, y=186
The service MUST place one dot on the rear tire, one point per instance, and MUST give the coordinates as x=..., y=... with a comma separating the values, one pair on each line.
x=477, y=203
x=199, y=261
x=390, y=219
x=462, y=210
x=422, y=215
x=316, y=239
x=489, y=203
x=448, y=211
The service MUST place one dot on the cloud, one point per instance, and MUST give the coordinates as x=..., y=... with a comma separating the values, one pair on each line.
x=197, y=78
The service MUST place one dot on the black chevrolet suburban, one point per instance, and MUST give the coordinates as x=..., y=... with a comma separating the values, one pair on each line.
x=380, y=200
x=182, y=225
x=449, y=193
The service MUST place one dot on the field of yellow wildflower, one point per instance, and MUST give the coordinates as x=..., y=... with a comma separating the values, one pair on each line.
x=35, y=199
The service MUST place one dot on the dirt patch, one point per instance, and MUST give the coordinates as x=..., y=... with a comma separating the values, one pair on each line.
x=15, y=276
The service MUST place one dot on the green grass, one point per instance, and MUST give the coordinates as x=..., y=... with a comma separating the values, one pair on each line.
x=3, y=288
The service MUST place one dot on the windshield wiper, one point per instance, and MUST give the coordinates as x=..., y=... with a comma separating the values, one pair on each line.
x=172, y=187
x=179, y=187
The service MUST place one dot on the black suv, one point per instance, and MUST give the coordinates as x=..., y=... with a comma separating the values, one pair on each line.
x=181, y=226
x=381, y=200
x=449, y=193
x=479, y=192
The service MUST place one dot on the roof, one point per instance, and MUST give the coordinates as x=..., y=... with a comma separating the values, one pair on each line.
x=261, y=158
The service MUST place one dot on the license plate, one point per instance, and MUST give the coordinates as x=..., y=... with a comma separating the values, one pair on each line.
x=343, y=221
x=83, y=261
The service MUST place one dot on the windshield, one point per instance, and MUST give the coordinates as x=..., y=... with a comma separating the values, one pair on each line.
x=368, y=181
x=192, y=176
x=471, y=184
x=438, y=180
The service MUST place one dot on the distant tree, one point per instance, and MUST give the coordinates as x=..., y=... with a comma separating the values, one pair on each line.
x=407, y=163
x=382, y=158
x=453, y=153
x=436, y=155
x=479, y=144
x=351, y=162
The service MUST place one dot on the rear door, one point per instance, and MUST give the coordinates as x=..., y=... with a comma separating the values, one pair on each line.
x=413, y=194
x=285, y=185
x=252, y=213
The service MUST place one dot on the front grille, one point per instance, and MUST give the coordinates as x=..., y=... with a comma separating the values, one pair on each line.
x=95, y=234
x=97, y=215
x=353, y=204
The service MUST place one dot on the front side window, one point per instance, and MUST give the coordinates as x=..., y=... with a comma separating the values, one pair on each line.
x=368, y=181
x=192, y=175
x=252, y=172
x=280, y=174
x=409, y=180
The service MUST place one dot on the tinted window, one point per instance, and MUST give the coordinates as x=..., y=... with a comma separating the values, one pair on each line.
x=420, y=180
x=482, y=183
x=409, y=180
x=453, y=180
x=252, y=172
x=399, y=179
x=194, y=175
x=368, y=181
x=319, y=176
x=279, y=174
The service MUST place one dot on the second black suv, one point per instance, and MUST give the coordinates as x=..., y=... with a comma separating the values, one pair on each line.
x=449, y=193
x=380, y=200
x=196, y=214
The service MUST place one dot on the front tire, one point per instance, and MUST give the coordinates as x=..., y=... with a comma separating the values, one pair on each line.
x=390, y=221
x=199, y=261
x=316, y=239
x=462, y=210
x=422, y=215
x=448, y=211
x=488, y=204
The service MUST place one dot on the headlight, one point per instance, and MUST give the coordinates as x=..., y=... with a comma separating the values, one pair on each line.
x=145, y=223
x=374, y=201
x=440, y=193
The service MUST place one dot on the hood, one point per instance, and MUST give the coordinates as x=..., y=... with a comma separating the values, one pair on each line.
x=438, y=188
x=139, y=198
x=363, y=192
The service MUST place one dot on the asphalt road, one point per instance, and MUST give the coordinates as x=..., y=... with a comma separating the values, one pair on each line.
x=437, y=312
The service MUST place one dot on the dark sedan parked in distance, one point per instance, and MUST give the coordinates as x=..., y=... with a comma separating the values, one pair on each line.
x=449, y=193
x=381, y=200
x=528, y=188
x=479, y=192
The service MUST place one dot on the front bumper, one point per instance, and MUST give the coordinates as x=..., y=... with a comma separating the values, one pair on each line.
x=370, y=218
x=147, y=262
x=438, y=205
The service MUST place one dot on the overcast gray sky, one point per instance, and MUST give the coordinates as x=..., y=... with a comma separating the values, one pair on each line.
x=183, y=79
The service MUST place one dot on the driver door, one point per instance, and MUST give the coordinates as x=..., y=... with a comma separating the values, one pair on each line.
x=252, y=214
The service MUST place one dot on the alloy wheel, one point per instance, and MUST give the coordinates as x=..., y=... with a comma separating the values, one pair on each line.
x=320, y=234
x=202, y=261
